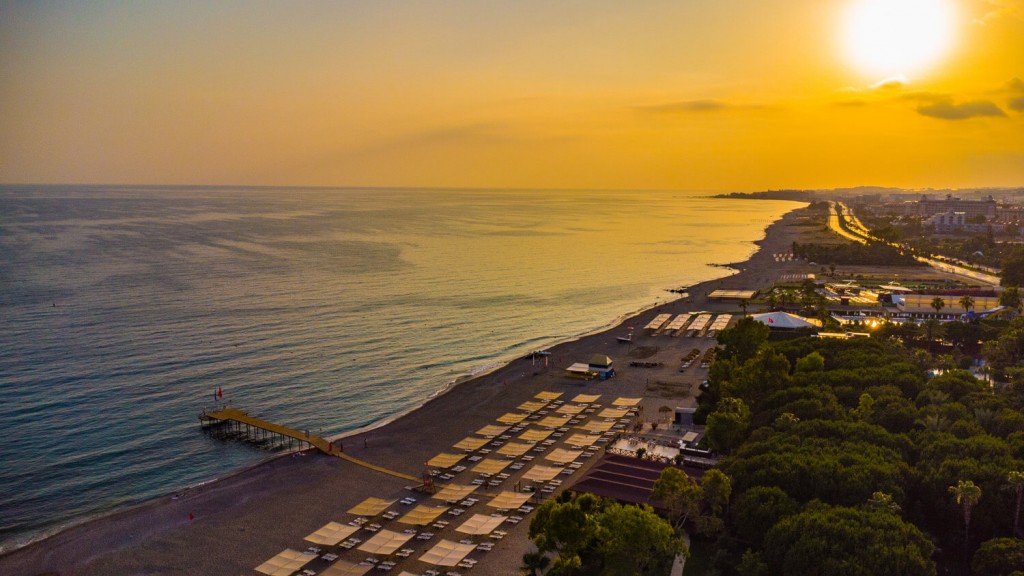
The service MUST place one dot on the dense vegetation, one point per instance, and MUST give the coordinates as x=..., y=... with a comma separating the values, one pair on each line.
x=591, y=535
x=841, y=457
x=874, y=253
x=794, y=195
x=845, y=458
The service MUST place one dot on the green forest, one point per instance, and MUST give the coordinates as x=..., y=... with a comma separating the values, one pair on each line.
x=845, y=457
x=840, y=457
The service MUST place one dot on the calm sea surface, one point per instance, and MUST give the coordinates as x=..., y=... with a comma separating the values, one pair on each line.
x=123, y=309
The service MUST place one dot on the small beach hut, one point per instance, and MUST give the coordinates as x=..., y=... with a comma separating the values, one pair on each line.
x=581, y=371
x=602, y=365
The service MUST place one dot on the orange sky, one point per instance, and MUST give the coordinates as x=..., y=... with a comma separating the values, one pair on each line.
x=689, y=94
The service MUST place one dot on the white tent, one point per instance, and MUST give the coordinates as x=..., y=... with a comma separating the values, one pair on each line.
x=385, y=542
x=783, y=320
x=285, y=563
x=481, y=524
x=447, y=553
x=332, y=533
x=346, y=568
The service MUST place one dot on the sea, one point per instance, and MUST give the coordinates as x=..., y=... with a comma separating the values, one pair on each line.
x=124, y=309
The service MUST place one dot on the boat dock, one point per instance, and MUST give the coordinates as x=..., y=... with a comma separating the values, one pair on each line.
x=240, y=423
x=255, y=428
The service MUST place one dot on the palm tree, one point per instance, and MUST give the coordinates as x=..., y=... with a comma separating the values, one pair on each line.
x=1015, y=480
x=938, y=303
x=967, y=496
x=743, y=304
x=931, y=327
x=966, y=302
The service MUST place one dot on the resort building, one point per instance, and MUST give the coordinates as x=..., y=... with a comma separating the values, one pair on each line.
x=926, y=207
x=921, y=304
x=947, y=221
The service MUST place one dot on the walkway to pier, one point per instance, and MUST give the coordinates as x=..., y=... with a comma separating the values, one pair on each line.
x=240, y=417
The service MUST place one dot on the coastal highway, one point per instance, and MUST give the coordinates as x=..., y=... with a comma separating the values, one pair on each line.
x=857, y=232
x=833, y=223
x=979, y=277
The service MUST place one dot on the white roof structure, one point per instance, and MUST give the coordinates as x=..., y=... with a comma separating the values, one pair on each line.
x=492, y=430
x=453, y=492
x=597, y=426
x=613, y=413
x=586, y=398
x=562, y=455
x=581, y=439
x=447, y=553
x=385, y=542
x=679, y=322
x=470, y=443
x=371, y=507
x=532, y=406
x=689, y=437
x=721, y=322
x=581, y=367
x=512, y=418
x=481, y=524
x=534, y=435
x=345, y=568
x=657, y=322
x=547, y=395
x=490, y=466
x=894, y=288
x=331, y=533
x=700, y=322
x=733, y=294
x=507, y=500
x=623, y=401
x=569, y=409
x=515, y=449
x=783, y=320
x=541, y=473
x=285, y=563
x=421, y=515
x=552, y=421
x=444, y=460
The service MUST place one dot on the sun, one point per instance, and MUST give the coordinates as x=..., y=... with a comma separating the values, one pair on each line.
x=897, y=37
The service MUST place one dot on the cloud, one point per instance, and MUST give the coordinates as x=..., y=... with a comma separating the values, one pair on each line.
x=688, y=106
x=891, y=84
x=946, y=109
x=998, y=9
x=852, y=103
x=1016, y=85
x=1017, y=104
x=697, y=106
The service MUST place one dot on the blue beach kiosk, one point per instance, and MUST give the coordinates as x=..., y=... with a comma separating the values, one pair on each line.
x=602, y=365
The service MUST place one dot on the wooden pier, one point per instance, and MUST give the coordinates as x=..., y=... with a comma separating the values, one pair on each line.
x=236, y=419
x=239, y=422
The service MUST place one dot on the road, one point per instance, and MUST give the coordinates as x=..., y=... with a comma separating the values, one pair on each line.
x=856, y=231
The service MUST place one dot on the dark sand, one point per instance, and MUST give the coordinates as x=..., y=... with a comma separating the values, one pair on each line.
x=245, y=519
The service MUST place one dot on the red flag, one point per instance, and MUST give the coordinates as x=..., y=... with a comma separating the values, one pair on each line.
x=191, y=516
x=220, y=393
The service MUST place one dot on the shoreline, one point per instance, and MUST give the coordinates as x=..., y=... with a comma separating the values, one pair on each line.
x=150, y=537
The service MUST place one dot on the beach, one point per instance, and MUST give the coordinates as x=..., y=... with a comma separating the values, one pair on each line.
x=240, y=521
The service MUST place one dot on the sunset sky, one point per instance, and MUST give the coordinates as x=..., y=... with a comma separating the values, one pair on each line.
x=684, y=94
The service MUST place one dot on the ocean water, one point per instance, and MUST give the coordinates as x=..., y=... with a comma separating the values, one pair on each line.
x=123, y=309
